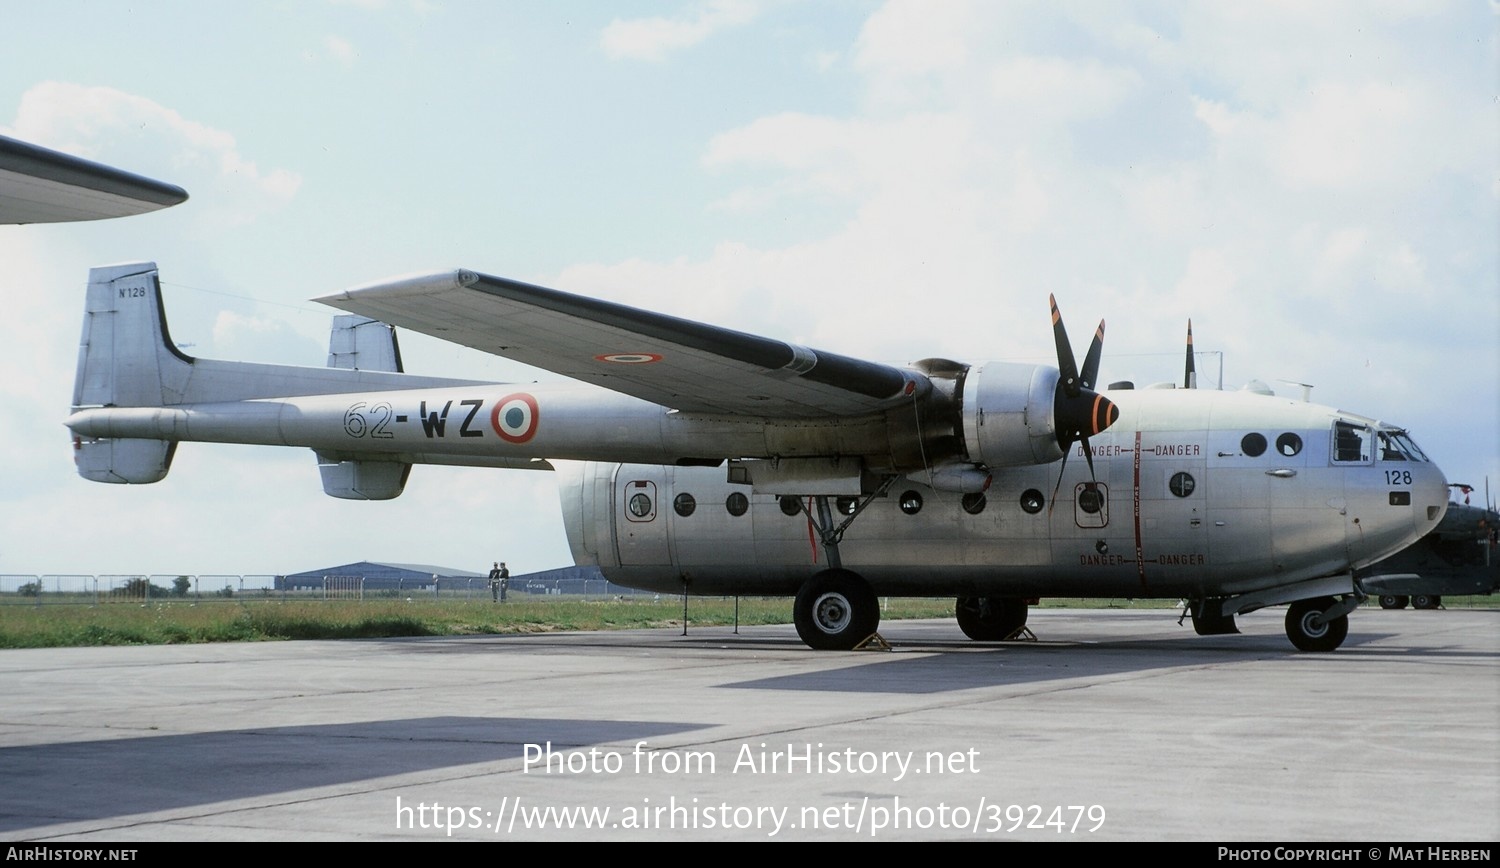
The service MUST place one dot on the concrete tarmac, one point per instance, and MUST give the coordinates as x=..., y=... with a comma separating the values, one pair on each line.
x=1114, y=726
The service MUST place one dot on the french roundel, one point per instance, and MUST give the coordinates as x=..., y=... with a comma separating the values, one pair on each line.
x=515, y=418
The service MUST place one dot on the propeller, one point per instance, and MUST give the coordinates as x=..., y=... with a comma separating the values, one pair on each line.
x=1077, y=409
x=1190, y=372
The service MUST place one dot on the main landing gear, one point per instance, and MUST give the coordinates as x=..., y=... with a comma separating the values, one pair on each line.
x=836, y=611
x=990, y=619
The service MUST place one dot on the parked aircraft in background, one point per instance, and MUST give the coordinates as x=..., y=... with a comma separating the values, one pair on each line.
x=1456, y=558
x=39, y=185
x=698, y=459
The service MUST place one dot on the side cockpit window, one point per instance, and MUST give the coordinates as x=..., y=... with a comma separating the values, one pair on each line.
x=1352, y=443
x=1397, y=445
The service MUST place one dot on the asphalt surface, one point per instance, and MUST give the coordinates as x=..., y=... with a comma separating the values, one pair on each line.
x=1113, y=726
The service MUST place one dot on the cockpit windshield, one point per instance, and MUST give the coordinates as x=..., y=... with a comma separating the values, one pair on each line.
x=1397, y=445
x=1362, y=443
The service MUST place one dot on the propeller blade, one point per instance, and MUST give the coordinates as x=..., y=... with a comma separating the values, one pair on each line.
x=1090, y=373
x=1190, y=373
x=1065, y=361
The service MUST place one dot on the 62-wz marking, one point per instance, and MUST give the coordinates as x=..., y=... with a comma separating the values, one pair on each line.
x=369, y=420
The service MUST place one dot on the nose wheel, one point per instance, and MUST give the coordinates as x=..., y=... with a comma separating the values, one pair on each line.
x=1310, y=627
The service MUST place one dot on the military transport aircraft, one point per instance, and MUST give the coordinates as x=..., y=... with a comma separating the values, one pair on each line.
x=697, y=459
x=39, y=185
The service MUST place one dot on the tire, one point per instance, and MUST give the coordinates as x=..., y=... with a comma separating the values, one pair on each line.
x=835, y=611
x=1392, y=601
x=1308, y=630
x=1425, y=601
x=990, y=619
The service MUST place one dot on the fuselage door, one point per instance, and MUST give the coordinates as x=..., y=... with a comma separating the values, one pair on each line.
x=640, y=523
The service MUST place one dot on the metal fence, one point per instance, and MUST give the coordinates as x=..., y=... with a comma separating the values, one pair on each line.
x=143, y=589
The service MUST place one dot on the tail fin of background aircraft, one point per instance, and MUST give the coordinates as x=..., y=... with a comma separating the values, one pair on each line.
x=126, y=359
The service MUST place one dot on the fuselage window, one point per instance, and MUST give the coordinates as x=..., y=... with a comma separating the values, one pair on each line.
x=847, y=505
x=1289, y=444
x=974, y=503
x=1352, y=443
x=789, y=504
x=737, y=503
x=911, y=502
x=1091, y=500
x=640, y=505
x=684, y=503
x=1031, y=501
x=1253, y=445
x=1182, y=484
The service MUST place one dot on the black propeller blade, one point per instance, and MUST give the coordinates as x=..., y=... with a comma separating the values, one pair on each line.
x=1190, y=372
x=1077, y=410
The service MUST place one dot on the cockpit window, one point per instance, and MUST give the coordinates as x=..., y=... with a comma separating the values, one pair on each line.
x=1352, y=443
x=1397, y=445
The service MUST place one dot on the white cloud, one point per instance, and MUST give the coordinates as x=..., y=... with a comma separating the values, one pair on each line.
x=340, y=49
x=227, y=189
x=652, y=39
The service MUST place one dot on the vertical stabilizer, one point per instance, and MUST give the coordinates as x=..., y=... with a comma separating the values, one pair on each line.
x=126, y=359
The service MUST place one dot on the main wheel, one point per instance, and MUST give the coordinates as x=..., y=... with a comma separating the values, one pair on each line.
x=1310, y=631
x=990, y=619
x=835, y=610
x=1426, y=601
x=1392, y=601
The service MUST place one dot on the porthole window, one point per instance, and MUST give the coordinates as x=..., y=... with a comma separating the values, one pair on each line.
x=911, y=502
x=974, y=503
x=1182, y=484
x=640, y=505
x=1031, y=501
x=684, y=503
x=1253, y=445
x=789, y=504
x=1289, y=444
x=847, y=505
x=737, y=503
x=1091, y=500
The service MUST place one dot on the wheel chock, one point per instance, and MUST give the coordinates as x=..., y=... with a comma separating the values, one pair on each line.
x=1021, y=634
x=873, y=642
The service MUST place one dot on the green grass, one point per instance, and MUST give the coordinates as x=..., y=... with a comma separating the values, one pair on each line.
x=60, y=624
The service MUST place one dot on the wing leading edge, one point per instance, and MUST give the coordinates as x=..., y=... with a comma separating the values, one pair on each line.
x=679, y=363
x=38, y=185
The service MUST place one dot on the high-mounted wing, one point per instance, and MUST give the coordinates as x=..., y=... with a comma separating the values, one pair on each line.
x=678, y=363
x=38, y=185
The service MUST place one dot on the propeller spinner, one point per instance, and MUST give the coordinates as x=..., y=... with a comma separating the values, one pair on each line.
x=1077, y=409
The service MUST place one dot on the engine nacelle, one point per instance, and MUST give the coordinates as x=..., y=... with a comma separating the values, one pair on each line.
x=1008, y=414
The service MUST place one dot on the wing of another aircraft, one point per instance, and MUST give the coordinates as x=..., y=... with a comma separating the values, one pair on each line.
x=678, y=363
x=38, y=185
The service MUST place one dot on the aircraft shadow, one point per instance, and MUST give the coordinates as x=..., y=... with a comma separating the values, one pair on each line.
x=74, y=781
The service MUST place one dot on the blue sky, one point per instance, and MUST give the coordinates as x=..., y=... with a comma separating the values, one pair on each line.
x=1315, y=185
